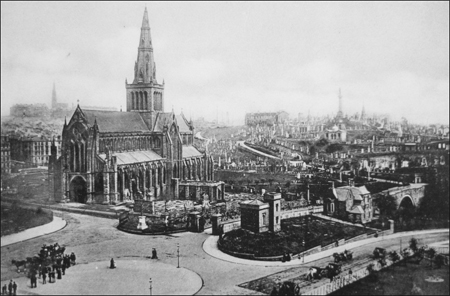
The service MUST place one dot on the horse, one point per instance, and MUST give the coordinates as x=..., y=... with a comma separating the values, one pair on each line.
x=19, y=263
x=314, y=273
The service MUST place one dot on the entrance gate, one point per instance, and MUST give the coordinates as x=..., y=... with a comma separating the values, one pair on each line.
x=78, y=190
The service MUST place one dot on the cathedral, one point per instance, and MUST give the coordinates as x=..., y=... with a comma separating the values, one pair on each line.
x=144, y=153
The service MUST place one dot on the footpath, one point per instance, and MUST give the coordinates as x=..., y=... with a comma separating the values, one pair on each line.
x=55, y=225
x=210, y=247
x=111, y=212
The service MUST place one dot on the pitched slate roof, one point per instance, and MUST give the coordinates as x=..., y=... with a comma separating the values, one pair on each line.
x=357, y=210
x=134, y=156
x=190, y=151
x=161, y=119
x=184, y=128
x=115, y=121
x=343, y=193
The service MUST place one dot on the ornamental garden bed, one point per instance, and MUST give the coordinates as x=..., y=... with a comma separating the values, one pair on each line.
x=314, y=231
x=16, y=219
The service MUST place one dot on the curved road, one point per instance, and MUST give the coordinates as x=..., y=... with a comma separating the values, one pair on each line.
x=242, y=144
x=97, y=239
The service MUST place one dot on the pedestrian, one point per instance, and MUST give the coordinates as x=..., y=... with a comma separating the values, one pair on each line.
x=58, y=271
x=33, y=281
x=63, y=268
x=39, y=270
x=72, y=258
x=113, y=264
x=15, y=288
x=10, y=287
x=4, y=288
x=154, y=255
x=44, y=278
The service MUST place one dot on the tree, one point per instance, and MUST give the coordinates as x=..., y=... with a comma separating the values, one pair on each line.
x=413, y=244
x=370, y=268
x=394, y=256
x=431, y=252
x=387, y=205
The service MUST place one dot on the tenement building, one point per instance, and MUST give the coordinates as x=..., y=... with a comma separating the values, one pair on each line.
x=143, y=153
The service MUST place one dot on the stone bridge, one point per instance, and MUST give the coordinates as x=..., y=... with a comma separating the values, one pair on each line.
x=411, y=193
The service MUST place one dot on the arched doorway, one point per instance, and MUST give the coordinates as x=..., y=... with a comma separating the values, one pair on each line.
x=78, y=190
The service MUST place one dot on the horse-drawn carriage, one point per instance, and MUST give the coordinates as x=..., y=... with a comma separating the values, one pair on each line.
x=331, y=270
x=46, y=258
x=343, y=256
x=379, y=253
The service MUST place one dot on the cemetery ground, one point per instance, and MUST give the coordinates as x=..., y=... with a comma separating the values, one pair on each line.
x=400, y=279
x=96, y=240
x=16, y=219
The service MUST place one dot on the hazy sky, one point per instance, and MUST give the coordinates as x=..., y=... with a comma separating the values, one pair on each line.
x=215, y=58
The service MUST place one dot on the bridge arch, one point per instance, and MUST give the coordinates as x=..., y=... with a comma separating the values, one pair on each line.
x=406, y=201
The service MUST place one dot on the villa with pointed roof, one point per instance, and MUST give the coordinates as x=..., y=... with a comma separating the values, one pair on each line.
x=144, y=153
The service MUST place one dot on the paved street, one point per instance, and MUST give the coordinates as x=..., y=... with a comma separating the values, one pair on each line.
x=97, y=240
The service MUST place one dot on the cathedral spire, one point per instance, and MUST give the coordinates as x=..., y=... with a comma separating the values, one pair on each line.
x=145, y=70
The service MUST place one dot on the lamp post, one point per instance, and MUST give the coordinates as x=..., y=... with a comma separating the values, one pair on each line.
x=178, y=251
x=150, y=286
x=303, y=245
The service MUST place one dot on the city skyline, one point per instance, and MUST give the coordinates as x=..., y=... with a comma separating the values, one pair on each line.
x=234, y=58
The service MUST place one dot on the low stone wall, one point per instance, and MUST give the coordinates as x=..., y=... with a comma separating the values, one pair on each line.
x=356, y=238
x=300, y=212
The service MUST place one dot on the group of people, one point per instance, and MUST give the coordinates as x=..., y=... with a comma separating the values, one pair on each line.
x=52, y=264
x=12, y=288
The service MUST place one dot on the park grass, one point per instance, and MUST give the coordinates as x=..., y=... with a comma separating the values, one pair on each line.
x=16, y=219
x=399, y=279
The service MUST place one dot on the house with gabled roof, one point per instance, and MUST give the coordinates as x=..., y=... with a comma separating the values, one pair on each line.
x=353, y=203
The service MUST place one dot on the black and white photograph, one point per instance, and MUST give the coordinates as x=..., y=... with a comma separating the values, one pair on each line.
x=225, y=148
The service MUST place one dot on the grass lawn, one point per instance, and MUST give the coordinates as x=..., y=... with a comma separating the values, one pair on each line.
x=399, y=279
x=16, y=219
x=316, y=232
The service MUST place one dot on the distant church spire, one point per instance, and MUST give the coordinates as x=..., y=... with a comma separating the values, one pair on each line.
x=54, y=100
x=363, y=113
x=340, y=114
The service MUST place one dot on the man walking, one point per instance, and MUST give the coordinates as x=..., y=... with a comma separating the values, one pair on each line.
x=4, y=288
x=44, y=277
x=15, y=288
x=154, y=255
x=10, y=287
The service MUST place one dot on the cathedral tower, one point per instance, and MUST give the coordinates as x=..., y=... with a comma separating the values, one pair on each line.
x=145, y=94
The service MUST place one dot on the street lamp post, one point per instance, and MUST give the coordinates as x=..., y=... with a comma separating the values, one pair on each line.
x=150, y=286
x=178, y=251
x=303, y=245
